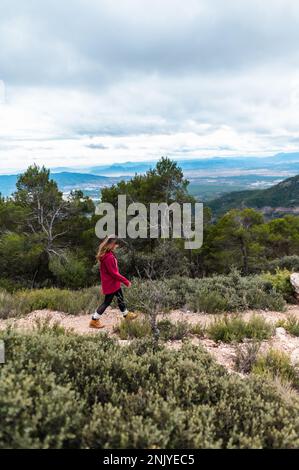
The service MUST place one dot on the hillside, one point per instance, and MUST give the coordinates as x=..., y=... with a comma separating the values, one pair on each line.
x=66, y=181
x=280, y=198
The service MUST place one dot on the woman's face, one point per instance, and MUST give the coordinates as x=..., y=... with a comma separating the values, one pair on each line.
x=114, y=246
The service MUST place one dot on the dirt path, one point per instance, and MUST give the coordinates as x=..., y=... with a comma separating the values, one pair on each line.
x=224, y=353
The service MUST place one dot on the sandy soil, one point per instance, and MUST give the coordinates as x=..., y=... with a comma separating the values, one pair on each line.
x=223, y=353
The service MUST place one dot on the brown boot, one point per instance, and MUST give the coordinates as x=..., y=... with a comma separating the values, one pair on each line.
x=95, y=324
x=130, y=316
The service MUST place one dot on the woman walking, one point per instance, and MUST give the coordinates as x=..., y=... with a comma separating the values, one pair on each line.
x=111, y=281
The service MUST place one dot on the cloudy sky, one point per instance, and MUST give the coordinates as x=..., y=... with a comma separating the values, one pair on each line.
x=85, y=82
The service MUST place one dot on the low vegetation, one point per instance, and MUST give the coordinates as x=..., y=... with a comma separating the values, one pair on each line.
x=246, y=356
x=229, y=329
x=136, y=329
x=210, y=295
x=64, y=300
x=133, y=398
x=277, y=364
x=280, y=280
x=291, y=325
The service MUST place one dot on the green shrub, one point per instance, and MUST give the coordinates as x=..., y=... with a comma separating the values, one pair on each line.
x=208, y=302
x=234, y=293
x=216, y=294
x=63, y=300
x=69, y=271
x=197, y=329
x=234, y=328
x=281, y=283
x=133, y=329
x=170, y=331
x=291, y=324
x=58, y=389
x=11, y=286
x=246, y=356
x=277, y=364
x=140, y=291
x=291, y=263
x=7, y=304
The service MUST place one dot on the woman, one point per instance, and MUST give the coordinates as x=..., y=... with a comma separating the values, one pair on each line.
x=111, y=281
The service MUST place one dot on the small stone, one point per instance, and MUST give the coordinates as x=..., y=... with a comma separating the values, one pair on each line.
x=295, y=356
x=280, y=331
x=294, y=279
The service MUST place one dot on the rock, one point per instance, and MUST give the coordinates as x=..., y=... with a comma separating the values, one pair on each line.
x=295, y=356
x=294, y=278
x=280, y=332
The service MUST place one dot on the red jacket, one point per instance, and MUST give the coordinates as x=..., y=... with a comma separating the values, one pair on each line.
x=111, y=279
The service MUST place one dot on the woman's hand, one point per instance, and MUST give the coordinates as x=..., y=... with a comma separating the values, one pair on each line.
x=129, y=285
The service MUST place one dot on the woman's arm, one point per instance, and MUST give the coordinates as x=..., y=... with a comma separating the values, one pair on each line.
x=113, y=271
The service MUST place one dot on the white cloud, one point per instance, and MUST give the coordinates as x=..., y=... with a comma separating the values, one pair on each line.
x=89, y=82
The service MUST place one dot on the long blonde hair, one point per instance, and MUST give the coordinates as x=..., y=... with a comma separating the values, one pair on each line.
x=105, y=246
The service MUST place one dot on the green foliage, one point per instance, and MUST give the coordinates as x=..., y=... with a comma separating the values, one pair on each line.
x=234, y=328
x=291, y=263
x=158, y=263
x=283, y=194
x=208, y=301
x=170, y=331
x=234, y=293
x=69, y=270
x=73, y=302
x=38, y=226
x=277, y=364
x=20, y=255
x=246, y=356
x=291, y=325
x=142, y=328
x=7, y=304
x=133, y=329
x=211, y=295
x=144, y=294
x=197, y=329
x=281, y=283
x=64, y=390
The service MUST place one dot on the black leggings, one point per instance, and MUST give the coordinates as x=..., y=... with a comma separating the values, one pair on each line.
x=108, y=299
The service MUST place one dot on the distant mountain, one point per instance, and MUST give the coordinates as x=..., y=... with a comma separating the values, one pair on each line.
x=280, y=198
x=209, y=177
x=66, y=178
x=66, y=182
x=278, y=162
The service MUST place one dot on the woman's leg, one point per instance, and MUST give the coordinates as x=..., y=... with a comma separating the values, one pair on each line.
x=121, y=301
x=101, y=309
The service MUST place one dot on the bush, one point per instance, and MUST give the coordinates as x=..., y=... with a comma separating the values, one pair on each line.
x=59, y=390
x=246, y=356
x=140, y=292
x=281, y=283
x=63, y=300
x=198, y=330
x=211, y=295
x=133, y=329
x=291, y=263
x=234, y=293
x=276, y=364
x=170, y=331
x=291, y=324
x=69, y=271
x=7, y=304
x=230, y=329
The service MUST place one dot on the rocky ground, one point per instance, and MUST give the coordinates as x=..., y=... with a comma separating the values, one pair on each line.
x=223, y=353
